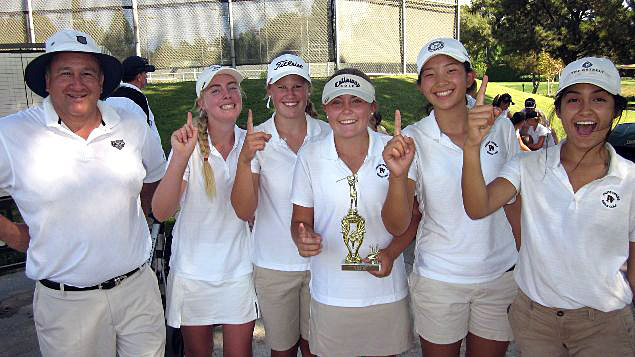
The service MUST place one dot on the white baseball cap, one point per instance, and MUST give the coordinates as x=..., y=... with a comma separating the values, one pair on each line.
x=442, y=46
x=72, y=41
x=205, y=78
x=285, y=65
x=592, y=70
x=348, y=84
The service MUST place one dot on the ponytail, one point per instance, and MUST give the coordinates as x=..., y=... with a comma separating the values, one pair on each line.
x=203, y=144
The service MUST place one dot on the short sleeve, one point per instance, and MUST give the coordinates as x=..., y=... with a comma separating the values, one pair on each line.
x=511, y=171
x=301, y=190
x=6, y=171
x=153, y=158
x=542, y=130
x=255, y=162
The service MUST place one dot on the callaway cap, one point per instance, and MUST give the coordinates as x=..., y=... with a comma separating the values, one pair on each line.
x=285, y=65
x=209, y=73
x=442, y=46
x=348, y=84
x=592, y=70
x=134, y=65
x=72, y=41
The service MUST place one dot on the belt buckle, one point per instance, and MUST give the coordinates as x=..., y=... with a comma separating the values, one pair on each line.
x=117, y=280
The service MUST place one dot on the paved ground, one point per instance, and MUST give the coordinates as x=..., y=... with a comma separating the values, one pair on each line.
x=17, y=332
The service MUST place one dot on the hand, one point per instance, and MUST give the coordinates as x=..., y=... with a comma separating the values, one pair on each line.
x=184, y=139
x=253, y=141
x=385, y=260
x=399, y=151
x=309, y=243
x=480, y=118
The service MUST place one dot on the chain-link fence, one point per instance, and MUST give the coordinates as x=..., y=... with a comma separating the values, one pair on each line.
x=374, y=36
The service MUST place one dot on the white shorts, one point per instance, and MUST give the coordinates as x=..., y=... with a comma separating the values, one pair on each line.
x=201, y=303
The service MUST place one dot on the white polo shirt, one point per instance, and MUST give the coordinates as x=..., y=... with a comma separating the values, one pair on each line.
x=210, y=242
x=450, y=246
x=80, y=198
x=536, y=133
x=273, y=245
x=128, y=104
x=319, y=181
x=573, y=243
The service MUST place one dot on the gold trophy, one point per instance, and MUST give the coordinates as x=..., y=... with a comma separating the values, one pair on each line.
x=353, y=231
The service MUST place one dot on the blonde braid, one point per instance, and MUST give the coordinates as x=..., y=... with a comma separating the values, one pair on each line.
x=203, y=144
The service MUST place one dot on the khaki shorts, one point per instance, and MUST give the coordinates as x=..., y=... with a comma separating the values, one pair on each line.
x=126, y=320
x=284, y=304
x=446, y=312
x=545, y=331
x=376, y=330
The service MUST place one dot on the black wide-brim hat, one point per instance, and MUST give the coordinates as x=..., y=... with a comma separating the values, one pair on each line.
x=72, y=41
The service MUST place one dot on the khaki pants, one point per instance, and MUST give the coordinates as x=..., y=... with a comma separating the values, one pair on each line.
x=543, y=331
x=126, y=320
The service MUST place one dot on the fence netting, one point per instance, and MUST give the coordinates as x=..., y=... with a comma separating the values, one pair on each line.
x=370, y=34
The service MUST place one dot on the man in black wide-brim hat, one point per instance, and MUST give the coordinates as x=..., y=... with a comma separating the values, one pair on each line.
x=75, y=168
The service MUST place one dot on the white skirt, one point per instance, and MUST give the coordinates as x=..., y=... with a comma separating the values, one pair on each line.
x=199, y=303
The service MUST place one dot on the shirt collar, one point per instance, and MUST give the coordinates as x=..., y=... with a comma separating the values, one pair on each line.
x=430, y=127
x=375, y=145
x=109, y=117
x=129, y=85
x=616, y=166
x=312, y=128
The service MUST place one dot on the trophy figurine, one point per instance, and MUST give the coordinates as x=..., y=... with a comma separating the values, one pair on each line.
x=353, y=231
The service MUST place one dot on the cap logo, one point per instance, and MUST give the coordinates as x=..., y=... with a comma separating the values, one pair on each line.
x=286, y=63
x=587, y=64
x=435, y=46
x=347, y=83
x=82, y=40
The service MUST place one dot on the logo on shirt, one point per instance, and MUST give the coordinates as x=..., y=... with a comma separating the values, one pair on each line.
x=382, y=170
x=491, y=148
x=610, y=199
x=118, y=144
x=435, y=46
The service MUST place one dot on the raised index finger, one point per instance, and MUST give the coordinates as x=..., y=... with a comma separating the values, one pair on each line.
x=189, y=119
x=250, y=122
x=397, y=122
x=480, y=96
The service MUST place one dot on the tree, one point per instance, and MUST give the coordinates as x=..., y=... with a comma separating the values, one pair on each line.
x=476, y=34
x=548, y=67
x=565, y=29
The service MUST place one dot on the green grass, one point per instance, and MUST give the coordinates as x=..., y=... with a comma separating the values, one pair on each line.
x=170, y=102
x=628, y=88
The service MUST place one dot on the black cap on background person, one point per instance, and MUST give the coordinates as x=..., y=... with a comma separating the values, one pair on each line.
x=134, y=65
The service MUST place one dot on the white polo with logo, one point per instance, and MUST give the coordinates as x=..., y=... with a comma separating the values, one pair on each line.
x=450, y=246
x=320, y=182
x=573, y=243
x=273, y=245
x=210, y=242
x=80, y=198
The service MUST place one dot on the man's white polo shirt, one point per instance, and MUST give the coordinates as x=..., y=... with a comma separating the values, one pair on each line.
x=320, y=182
x=452, y=247
x=80, y=198
x=128, y=104
x=210, y=242
x=273, y=245
x=573, y=244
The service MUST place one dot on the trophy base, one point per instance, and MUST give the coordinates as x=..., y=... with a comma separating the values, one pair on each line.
x=361, y=267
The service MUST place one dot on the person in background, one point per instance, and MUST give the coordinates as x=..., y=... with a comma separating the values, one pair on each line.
x=538, y=133
x=503, y=103
x=519, y=122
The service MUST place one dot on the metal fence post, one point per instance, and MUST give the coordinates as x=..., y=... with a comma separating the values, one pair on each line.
x=458, y=21
x=403, y=36
x=231, y=34
x=135, y=28
x=337, y=35
x=29, y=23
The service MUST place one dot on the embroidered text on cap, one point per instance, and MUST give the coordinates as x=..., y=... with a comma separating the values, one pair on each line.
x=285, y=63
x=347, y=83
